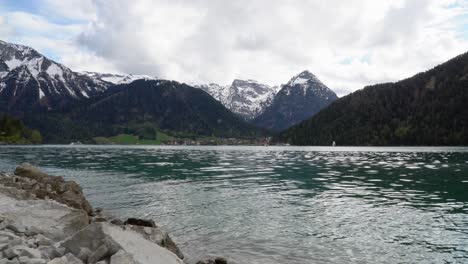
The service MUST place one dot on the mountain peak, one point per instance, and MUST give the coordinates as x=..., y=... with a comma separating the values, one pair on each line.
x=302, y=78
x=306, y=74
x=302, y=97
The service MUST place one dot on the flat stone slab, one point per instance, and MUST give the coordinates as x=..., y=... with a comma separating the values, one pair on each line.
x=55, y=220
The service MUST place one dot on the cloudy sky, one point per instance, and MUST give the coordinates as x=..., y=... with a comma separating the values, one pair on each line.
x=347, y=44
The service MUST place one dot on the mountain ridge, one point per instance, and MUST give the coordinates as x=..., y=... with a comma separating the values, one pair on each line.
x=27, y=75
x=68, y=106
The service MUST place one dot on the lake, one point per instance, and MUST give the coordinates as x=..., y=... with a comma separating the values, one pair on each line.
x=280, y=204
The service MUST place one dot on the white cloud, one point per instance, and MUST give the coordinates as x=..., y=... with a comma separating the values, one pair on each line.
x=55, y=40
x=69, y=9
x=5, y=29
x=26, y=24
x=348, y=44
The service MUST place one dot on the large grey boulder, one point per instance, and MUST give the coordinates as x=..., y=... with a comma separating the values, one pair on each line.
x=90, y=240
x=158, y=236
x=55, y=221
x=29, y=171
x=54, y=187
x=105, y=240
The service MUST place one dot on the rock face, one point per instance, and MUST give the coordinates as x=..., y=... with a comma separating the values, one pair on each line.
x=249, y=98
x=44, y=219
x=246, y=98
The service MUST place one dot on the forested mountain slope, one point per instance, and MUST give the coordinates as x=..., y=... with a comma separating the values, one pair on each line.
x=430, y=108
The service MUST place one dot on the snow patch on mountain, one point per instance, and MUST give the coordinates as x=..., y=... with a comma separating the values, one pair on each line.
x=34, y=66
x=55, y=71
x=41, y=94
x=13, y=63
x=117, y=78
x=299, y=81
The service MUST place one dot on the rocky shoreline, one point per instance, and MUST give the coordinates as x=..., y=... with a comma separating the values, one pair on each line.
x=45, y=219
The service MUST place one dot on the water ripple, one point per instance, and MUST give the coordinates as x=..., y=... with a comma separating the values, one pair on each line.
x=281, y=204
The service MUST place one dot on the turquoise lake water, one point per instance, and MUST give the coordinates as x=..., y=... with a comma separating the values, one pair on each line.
x=280, y=204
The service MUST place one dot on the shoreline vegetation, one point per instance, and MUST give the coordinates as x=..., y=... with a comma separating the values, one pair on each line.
x=167, y=139
x=13, y=131
x=45, y=219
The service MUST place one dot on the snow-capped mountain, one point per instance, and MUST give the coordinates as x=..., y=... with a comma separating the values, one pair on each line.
x=29, y=79
x=117, y=78
x=247, y=98
x=275, y=107
x=302, y=97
